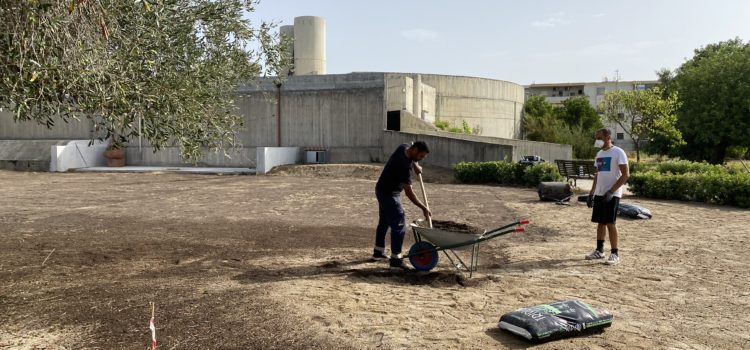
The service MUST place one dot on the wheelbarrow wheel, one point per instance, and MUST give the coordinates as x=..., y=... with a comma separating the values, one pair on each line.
x=423, y=256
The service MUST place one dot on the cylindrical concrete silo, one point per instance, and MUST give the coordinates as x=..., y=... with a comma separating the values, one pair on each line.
x=287, y=34
x=309, y=45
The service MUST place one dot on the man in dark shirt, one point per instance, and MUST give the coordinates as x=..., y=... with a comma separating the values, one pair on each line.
x=396, y=176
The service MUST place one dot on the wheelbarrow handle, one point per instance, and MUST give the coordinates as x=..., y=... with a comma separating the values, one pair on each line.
x=517, y=223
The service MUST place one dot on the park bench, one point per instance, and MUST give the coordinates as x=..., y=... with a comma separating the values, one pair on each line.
x=576, y=169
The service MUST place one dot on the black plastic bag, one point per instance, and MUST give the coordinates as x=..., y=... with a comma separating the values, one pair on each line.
x=556, y=320
x=633, y=211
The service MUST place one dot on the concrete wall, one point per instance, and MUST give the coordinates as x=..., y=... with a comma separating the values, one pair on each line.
x=414, y=124
x=270, y=157
x=239, y=157
x=447, y=149
x=493, y=107
x=28, y=130
x=27, y=155
x=342, y=113
x=399, y=94
x=77, y=154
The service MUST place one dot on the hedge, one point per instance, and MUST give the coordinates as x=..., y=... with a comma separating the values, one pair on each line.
x=506, y=173
x=682, y=167
x=710, y=186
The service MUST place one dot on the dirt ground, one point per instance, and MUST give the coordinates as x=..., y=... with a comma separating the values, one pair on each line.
x=282, y=261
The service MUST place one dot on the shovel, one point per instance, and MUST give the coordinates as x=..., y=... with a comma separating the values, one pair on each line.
x=424, y=194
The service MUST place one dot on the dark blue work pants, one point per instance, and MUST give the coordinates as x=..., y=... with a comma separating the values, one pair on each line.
x=391, y=215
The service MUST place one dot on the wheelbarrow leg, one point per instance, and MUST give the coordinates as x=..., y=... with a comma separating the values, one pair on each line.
x=461, y=263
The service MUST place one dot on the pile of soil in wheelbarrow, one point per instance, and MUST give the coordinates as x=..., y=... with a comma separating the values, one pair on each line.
x=456, y=227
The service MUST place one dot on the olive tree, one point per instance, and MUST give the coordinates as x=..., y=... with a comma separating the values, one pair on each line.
x=643, y=114
x=172, y=65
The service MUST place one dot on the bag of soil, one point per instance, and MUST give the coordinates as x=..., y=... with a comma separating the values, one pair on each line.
x=556, y=320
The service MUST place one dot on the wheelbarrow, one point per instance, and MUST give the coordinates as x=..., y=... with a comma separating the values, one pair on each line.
x=423, y=254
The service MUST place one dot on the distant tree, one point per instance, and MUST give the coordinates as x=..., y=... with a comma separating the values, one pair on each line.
x=577, y=111
x=573, y=123
x=536, y=106
x=714, y=87
x=643, y=114
x=175, y=65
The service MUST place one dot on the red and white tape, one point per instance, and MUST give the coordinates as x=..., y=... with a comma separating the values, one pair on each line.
x=153, y=333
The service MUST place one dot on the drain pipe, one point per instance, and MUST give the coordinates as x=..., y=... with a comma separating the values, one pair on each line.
x=278, y=113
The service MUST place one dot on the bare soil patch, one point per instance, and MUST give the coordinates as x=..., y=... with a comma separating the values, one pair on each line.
x=283, y=262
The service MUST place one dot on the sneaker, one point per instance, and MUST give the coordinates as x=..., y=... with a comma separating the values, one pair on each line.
x=378, y=255
x=398, y=264
x=595, y=255
x=613, y=259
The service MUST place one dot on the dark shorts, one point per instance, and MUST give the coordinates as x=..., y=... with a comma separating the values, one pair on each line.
x=605, y=213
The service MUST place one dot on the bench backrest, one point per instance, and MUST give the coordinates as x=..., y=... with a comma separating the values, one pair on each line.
x=576, y=168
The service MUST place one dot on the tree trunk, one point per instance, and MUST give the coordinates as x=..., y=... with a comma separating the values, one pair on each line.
x=638, y=151
x=718, y=153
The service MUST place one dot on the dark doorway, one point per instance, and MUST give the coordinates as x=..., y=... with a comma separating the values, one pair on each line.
x=394, y=121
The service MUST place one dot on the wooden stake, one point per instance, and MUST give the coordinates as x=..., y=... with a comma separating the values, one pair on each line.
x=48, y=255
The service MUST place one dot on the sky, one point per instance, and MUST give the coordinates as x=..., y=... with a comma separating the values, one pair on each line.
x=532, y=41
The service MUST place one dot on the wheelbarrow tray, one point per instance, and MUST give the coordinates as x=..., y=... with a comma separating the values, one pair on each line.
x=446, y=238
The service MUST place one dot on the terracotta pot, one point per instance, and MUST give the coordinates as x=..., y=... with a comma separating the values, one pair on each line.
x=115, y=157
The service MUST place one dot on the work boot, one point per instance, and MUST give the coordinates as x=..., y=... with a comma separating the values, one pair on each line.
x=398, y=264
x=379, y=255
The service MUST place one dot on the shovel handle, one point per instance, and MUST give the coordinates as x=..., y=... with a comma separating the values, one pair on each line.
x=424, y=194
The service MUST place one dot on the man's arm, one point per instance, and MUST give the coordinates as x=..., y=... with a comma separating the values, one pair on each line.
x=624, y=176
x=417, y=168
x=593, y=186
x=413, y=198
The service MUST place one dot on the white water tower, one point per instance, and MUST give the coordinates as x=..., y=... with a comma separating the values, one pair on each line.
x=309, y=45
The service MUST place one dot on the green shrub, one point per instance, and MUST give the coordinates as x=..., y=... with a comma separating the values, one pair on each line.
x=442, y=124
x=685, y=166
x=710, y=186
x=506, y=173
x=642, y=167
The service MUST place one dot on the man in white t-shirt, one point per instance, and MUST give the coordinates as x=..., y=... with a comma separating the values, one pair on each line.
x=612, y=172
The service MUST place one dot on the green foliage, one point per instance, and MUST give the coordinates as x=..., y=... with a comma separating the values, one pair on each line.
x=714, y=86
x=506, y=173
x=537, y=106
x=577, y=112
x=174, y=64
x=573, y=124
x=643, y=115
x=465, y=128
x=446, y=126
x=442, y=124
x=737, y=152
x=685, y=166
x=711, y=187
x=581, y=139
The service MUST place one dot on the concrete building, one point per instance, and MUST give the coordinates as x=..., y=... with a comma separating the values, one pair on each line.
x=555, y=93
x=355, y=117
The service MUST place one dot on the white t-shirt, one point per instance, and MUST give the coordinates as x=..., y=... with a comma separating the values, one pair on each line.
x=608, y=166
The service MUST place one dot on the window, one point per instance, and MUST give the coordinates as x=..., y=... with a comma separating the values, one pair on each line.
x=561, y=93
x=620, y=136
x=600, y=91
x=580, y=91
